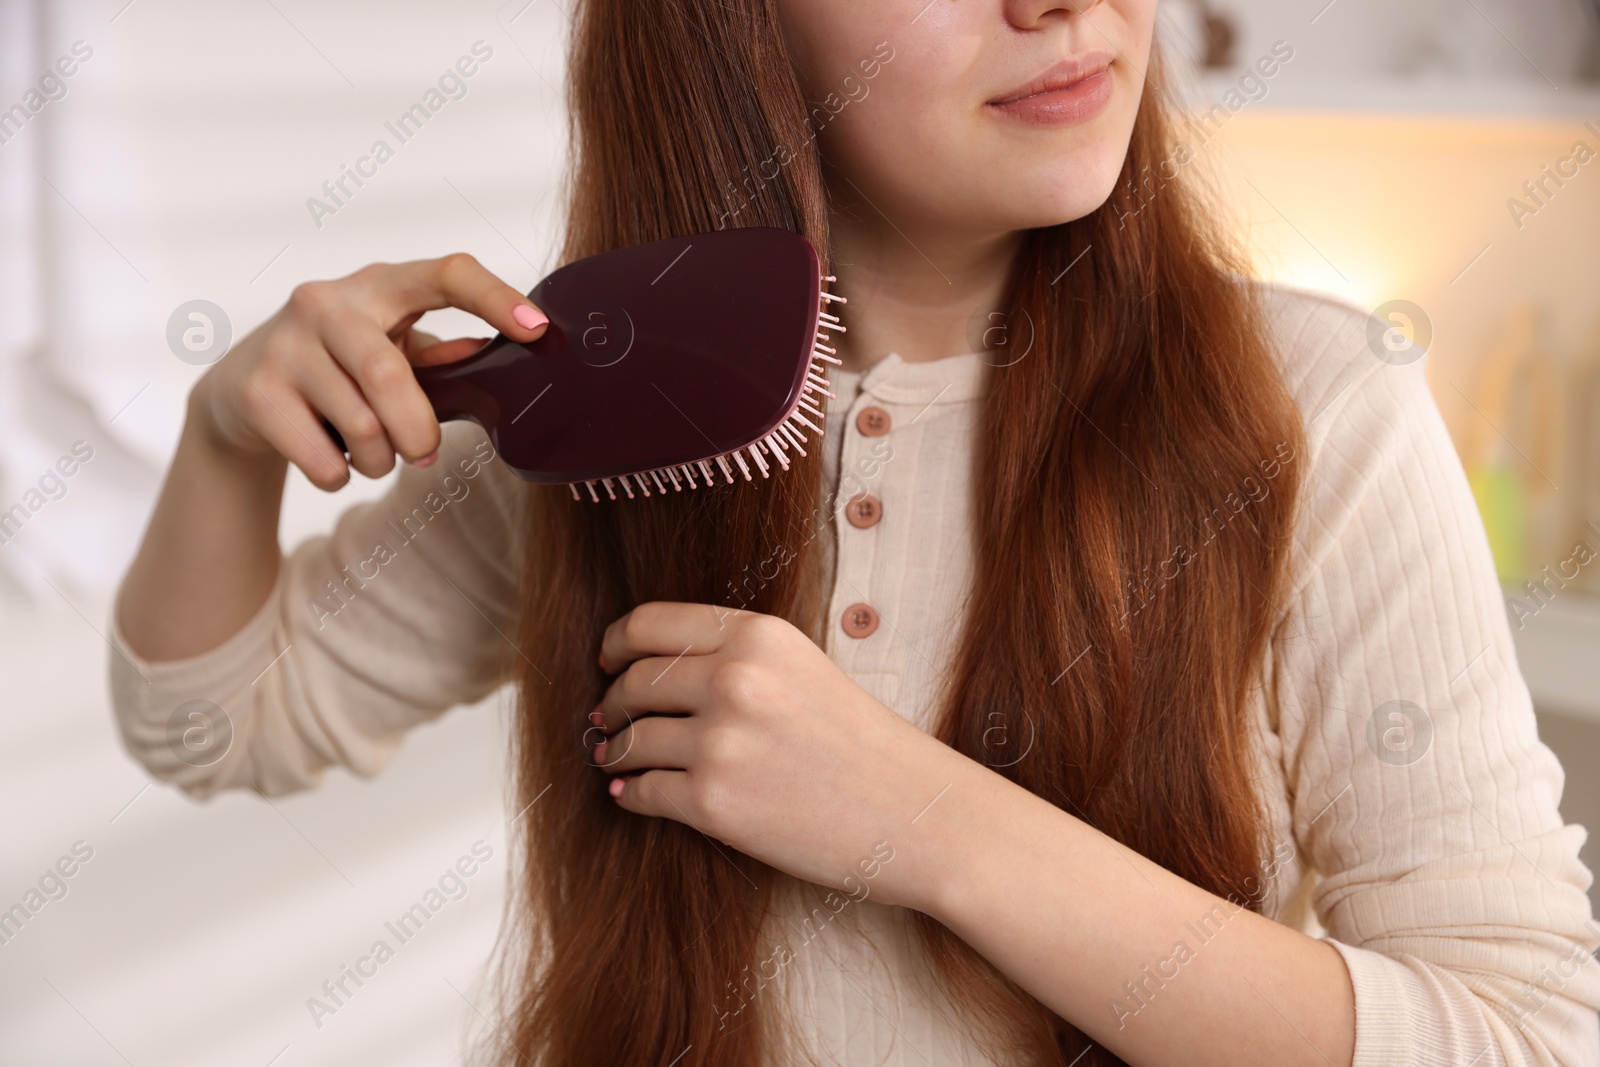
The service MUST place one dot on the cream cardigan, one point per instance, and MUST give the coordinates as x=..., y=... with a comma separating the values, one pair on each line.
x=1425, y=845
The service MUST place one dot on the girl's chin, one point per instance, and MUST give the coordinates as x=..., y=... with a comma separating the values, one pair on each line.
x=1044, y=209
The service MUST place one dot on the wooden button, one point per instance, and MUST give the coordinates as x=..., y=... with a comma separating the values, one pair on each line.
x=872, y=422
x=859, y=620
x=864, y=511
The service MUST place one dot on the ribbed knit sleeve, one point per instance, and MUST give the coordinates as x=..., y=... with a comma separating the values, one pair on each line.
x=403, y=610
x=1422, y=793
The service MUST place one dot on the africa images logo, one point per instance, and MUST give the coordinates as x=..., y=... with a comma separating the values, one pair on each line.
x=1400, y=732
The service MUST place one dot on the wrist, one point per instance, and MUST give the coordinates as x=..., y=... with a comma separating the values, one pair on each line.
x=203, y=428
x=957, y=837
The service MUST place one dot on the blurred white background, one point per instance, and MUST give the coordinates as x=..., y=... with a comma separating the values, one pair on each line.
x=177, y=166
x=176, y=163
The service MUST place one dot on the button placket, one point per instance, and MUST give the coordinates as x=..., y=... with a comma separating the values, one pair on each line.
x=884, y=566
x=861, y=511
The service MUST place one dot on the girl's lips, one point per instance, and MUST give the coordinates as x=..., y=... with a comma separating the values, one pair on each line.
x=1077, y=102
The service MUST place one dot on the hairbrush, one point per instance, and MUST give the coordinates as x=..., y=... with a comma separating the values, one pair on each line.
x=664, y=364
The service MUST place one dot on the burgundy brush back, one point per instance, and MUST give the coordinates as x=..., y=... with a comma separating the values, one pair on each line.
x=657, y=354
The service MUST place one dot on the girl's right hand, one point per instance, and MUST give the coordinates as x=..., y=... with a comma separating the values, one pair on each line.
x=344, y=350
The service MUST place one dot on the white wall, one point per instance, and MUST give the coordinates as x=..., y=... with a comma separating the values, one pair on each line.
x=1472, y=39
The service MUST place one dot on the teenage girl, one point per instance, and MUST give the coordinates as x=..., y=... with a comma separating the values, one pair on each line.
x=1122, y=679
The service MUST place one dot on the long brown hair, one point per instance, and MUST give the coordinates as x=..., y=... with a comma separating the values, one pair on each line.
x=1110, y=538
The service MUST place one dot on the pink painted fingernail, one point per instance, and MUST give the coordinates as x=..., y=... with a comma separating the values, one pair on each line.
x=616, y=787
x=596, y=718
x=600, y=752
x=428, y=460
x=528, y=317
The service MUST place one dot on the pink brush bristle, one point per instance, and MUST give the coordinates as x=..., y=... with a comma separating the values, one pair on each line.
x=789, y=433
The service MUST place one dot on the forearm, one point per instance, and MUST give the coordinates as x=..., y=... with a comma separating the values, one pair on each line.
x=1147, y=964
x=210, y=553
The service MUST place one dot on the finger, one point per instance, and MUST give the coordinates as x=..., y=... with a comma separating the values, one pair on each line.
x=654, y=742
x=290, y=426
x=446, y=351
x=654, y=684
x=460, y=281
x=336, y=396
x=664, y=794
x=661, y=628
x=388, y=385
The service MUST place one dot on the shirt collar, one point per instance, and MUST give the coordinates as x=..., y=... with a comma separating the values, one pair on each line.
x=892, y=380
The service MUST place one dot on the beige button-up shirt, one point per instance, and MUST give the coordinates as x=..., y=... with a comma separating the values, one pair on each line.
x=1413, y=805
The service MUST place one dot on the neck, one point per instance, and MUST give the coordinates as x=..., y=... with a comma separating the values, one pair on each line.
x=913, y=290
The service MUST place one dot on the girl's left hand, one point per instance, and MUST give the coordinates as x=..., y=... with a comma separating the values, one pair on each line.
x=745, y=730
